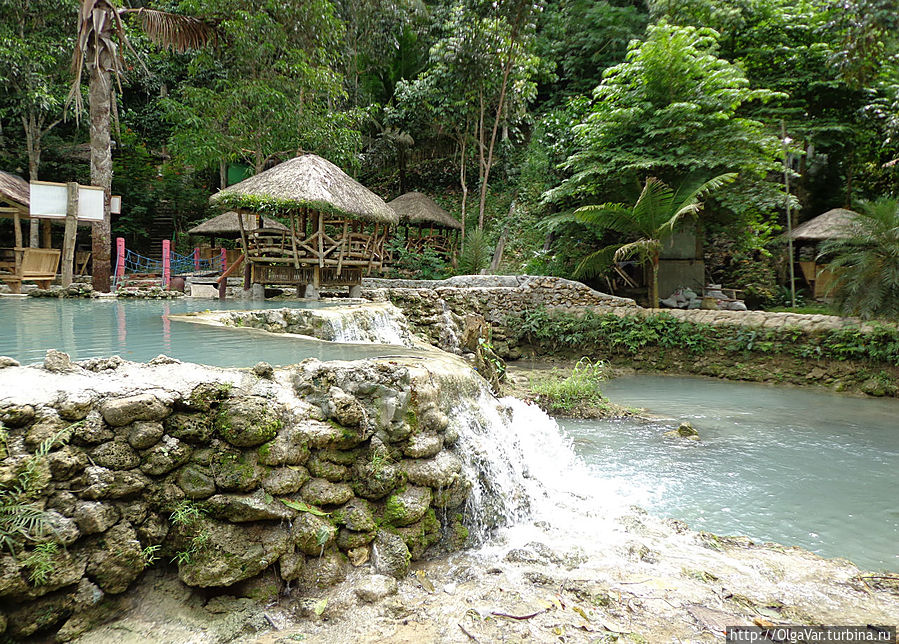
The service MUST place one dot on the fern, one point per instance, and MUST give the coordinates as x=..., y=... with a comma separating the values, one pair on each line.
x=476, y=254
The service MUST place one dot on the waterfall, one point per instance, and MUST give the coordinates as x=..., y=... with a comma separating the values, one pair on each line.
x=366, y=325
x=449, y=339
x=525, y=472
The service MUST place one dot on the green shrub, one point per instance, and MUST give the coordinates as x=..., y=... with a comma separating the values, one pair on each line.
x=579, y=390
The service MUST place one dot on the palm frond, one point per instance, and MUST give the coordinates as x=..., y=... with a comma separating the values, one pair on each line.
x=596, y=262
x=173, y=31
x=643, y=248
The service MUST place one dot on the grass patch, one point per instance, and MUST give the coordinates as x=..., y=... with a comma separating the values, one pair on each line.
x=578, y=394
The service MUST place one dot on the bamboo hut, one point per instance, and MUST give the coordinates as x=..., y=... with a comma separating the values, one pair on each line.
x=338, y=227
x=833, y=224
x=226, y=226
x=425, y=224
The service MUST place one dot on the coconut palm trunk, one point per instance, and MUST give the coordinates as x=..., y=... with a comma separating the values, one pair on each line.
x=101, y=173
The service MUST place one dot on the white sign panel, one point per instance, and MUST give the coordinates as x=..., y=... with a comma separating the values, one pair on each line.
x=48, y=200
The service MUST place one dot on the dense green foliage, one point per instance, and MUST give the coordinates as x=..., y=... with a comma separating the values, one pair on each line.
x=634, y=334
x=867, y=263
x=577, y=392
x=553, y=105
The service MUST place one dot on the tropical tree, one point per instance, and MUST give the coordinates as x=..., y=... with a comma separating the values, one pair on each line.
x=652, y=219
x=866, y=265
x=100, y=42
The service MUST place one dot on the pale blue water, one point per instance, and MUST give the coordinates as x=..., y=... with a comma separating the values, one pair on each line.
x=797, y=467
x=140, y=330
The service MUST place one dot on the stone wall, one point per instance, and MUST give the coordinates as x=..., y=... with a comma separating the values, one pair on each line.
x=306, y=471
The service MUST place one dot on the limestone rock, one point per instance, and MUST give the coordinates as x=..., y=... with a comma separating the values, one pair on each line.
x=312, y=534
x=420, y=536
x=92, y=430
x=47, y=426
x=263, y=370
x=423, y=445
x=143, y=434
x=453, y=496
x=64, y=530
x=101, y=483
x=16, y=415
x=192, y=428
x=291, y=564
x=374, y=478
x=196, y=481
x=115, y=455
x=356, y=515
x=326, y=470
x=330, y=435
x=29, y=618
x=439, y=472
x=376, y=587
x=322, y=492
x=350, y=539
x=248, y=421
x=165, y=456
x=391, y=556
x=289, y=447
x=75, y=405
x=58, y=361
x=119, y=562
x=344, y=408
x=93, y=517
x=207, y=395
x=240, y=508
x=235, y=471
x=119, y=412
x=233, y=552
x=685, y=430
x=6, y=361
x=66, y=462
x=407, y=506
x=285, y=480
x=322, y=572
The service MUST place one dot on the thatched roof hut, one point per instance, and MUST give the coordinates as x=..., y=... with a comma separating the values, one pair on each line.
x=15, y=194
x=833, y=224
x=227, y=226
x=307, y=181
x=420, y=210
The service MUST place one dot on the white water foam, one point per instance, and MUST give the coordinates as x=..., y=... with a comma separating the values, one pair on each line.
x=368, y=326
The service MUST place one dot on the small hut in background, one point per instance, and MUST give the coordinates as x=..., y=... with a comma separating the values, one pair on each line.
x=426, y=225
x=833, y=224
x=226, y=226
x=338, y=227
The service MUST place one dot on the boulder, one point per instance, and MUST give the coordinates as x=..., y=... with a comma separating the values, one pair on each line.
x=196, y=481
x=375, y=477
x=248, y=421
x=390, y=555
x=685, y=430
x=16, y=415
x=423, y=445
x=144, y=434
x=312, y=534
x=240, y=508
x=232, y=552
x=58, y=361
x=322, y=572
x=192, y=428
x=350, y=539
x=66, y=462
x=344, y=408
x=167, y=455
x=322, y=492
x=102, y=483
x=92, y=430
x=376, y=587
x=116, y=559
x=327, y=470
x=119, y=412
x=407, y=506
x=356, y=515
x=115, y=455
x=75, y=405
x=285, y=480
x=93, y=517
x=235, y=471
x=439, y=472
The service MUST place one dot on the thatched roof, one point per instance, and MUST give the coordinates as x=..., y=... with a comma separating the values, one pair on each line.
x=15, y=191
x=307, y=181
x=420, y=209
x=833, y=224
x=226, y=225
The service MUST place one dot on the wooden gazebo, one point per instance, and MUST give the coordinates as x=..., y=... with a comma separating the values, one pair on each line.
x=833, y=224
x=425, y=224
x=226, y=226
x=338, y=227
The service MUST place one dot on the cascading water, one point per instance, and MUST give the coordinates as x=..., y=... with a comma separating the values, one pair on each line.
x=367, y=326
x=525, y=472
x=450, y=339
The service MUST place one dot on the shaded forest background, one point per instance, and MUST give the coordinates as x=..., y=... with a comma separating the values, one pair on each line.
x=510, y=112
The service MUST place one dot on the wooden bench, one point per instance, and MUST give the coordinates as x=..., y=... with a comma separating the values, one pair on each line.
x=32, y=264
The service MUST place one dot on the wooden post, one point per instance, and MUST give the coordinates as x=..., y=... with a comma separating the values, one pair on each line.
x=119, y=260
x=68, y=240
x=224, y=260
x=197, y=259
x=166, y=262
x=17, y=225
x=46, y=238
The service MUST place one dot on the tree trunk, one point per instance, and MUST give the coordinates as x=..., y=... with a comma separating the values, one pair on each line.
x=33, y=147
x=101, y=171
x=464, y=183
x=654, y=285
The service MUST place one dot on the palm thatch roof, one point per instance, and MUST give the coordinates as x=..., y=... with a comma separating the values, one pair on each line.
x=420, y=209
x=833, y=224
x=226, y=225
x=15, y=192
x=307, y=181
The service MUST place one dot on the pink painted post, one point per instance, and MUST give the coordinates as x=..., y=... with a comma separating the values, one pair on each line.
x=196, y=259
x=119, y=260
x=166, y=262
x=224, y=260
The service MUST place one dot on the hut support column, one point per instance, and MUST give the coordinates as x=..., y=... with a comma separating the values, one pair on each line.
x=312, y=292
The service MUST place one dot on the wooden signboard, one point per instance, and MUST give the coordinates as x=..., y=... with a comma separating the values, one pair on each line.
x=49, y=200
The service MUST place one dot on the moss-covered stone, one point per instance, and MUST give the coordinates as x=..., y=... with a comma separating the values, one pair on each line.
x=207, y=395
x=323, y=492
x=115, y=455
x=458, y=534
x=191, y=428
x=407, y=506
x=285, y=480
x=420, y=536
x=235, y=471
x=248, y=421
x=312, y=534
x=355, y=515
x=350, y=539
x=196, y=481
x=327, y=470
x=375, y=477
x=167, y=455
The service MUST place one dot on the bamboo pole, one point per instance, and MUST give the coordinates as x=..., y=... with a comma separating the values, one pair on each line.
x=68, y=241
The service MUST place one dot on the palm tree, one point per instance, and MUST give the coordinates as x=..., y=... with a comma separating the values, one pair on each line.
x=652, y=219
x=101, y=37
x=866, y=264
